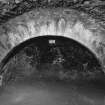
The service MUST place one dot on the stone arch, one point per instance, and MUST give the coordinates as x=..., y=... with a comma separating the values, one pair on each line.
x=59, y=22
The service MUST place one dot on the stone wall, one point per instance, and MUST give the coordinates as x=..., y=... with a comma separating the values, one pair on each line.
x=60, y=22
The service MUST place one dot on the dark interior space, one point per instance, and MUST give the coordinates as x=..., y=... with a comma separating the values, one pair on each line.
x=52, y=69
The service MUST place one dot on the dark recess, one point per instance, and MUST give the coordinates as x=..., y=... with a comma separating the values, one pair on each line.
x=65, y=60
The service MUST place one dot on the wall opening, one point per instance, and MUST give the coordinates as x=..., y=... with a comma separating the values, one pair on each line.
x=50, y=57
